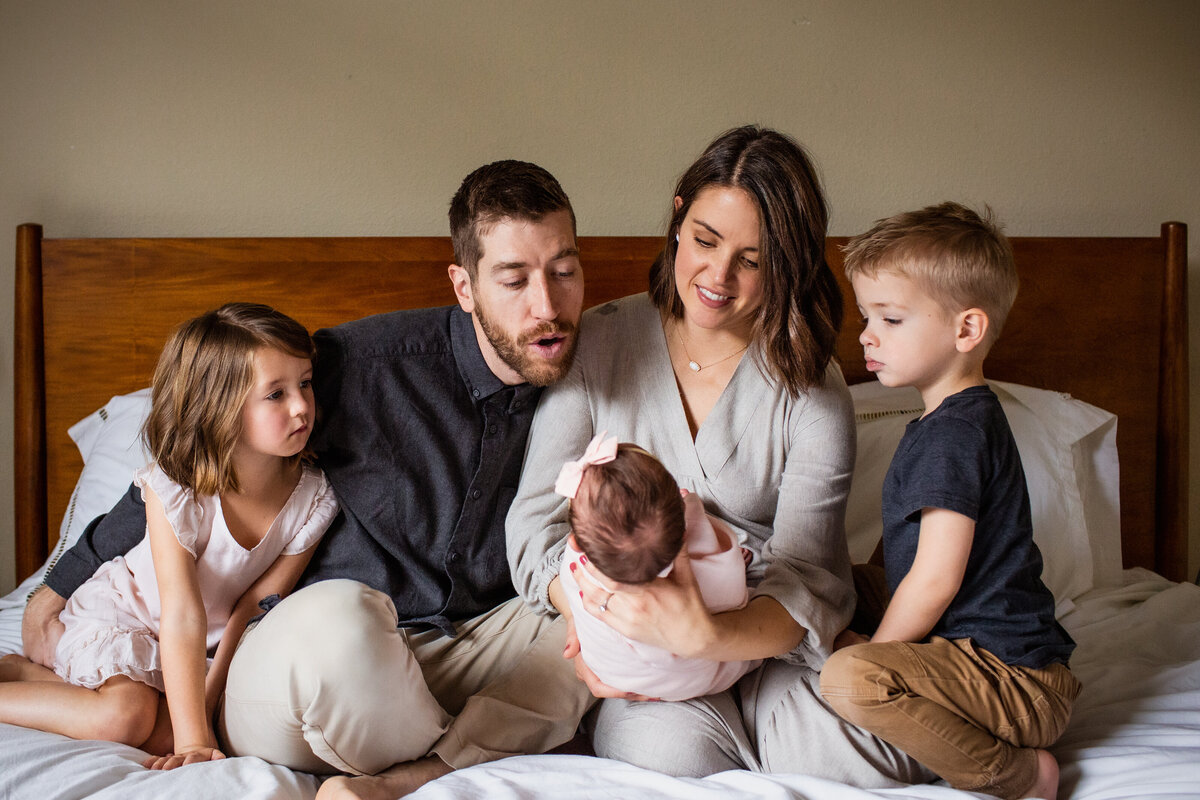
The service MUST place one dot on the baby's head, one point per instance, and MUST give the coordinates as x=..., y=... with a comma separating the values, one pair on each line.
x=958, y=258
x=627, y=514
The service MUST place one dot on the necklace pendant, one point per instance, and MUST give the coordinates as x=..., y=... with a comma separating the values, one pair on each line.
x=693, y=366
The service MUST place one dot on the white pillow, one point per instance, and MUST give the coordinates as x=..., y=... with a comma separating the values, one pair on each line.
x=1069, y=453
x=880, y=415
x=110, y=442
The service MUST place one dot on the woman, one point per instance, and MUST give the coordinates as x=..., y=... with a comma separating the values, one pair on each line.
x=724, y=372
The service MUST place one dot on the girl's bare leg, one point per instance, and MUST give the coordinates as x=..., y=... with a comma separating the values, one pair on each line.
x=18, y=668
x=122, y=710
x=162, y=739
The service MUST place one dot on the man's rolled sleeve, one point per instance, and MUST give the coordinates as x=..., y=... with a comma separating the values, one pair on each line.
x=105, y=538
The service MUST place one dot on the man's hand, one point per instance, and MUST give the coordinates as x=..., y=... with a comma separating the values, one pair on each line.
x=40, y=627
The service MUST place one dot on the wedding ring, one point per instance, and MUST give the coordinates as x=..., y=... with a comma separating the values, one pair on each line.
x=607, y=600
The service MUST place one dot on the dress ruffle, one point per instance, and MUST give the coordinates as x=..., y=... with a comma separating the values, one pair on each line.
x=88, y=655
x=179, y=505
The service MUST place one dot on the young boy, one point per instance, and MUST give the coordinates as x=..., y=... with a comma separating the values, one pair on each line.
x=967, y=671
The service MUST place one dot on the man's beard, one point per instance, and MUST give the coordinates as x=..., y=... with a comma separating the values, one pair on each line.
x=513, y=350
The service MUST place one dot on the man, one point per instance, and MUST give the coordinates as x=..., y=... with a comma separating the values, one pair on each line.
x=408, y=611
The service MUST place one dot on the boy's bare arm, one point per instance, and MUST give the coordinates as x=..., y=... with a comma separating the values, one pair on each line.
x=934, y=579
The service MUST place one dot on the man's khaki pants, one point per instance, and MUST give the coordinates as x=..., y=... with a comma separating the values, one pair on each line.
x=326, y=682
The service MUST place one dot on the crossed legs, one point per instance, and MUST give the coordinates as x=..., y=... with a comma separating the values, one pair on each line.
x=327, y=683
x=773, y=720
x=977, y=722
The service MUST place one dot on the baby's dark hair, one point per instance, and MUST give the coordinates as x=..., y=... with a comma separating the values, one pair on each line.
x=627, y=516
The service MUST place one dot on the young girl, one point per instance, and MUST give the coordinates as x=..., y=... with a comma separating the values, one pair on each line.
x=629, y=521
x=232, y=514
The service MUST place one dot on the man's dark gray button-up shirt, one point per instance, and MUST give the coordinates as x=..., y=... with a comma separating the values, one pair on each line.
x=423, y=445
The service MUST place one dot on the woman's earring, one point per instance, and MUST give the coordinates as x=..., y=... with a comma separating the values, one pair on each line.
x=677, y=238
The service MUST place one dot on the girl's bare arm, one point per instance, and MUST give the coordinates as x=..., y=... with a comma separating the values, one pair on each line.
x=182, y=640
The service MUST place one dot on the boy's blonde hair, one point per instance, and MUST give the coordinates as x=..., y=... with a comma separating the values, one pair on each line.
x=960, y=259
x=204, y=374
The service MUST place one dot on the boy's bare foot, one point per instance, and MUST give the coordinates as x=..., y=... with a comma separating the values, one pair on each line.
x=393, y=782
x=1045, y=786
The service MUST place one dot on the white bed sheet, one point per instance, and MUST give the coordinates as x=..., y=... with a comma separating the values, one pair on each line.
x=1134, y=734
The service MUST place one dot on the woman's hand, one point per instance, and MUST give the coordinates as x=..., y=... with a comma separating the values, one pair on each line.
x=196, y=754
x=571, y=650
x=667, y=612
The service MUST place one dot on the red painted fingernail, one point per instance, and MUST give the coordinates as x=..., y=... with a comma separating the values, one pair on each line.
x=581, y=595
x=583, y=559
x=573, y=565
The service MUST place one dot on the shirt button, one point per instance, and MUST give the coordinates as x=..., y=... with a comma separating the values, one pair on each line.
x=491, y=430
x=453, y=557
x=475, y=393
x=475, y=494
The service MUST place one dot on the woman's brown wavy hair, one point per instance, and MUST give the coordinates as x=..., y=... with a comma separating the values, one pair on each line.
x=801, y=312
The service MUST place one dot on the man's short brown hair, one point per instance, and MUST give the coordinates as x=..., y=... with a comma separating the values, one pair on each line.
x=501, y=190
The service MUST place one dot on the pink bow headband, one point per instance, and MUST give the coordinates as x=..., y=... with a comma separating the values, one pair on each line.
x=600, y=450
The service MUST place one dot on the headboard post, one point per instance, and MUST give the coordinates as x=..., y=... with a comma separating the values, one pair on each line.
x=29, y=404
x=1171, y=553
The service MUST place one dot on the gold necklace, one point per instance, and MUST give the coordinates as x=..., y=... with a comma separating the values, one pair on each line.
x=693, y=364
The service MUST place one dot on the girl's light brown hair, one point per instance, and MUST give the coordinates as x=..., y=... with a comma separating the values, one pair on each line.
x=627, y=516
x=203, y=377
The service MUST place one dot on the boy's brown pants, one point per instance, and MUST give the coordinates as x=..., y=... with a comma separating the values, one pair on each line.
x=955, y=707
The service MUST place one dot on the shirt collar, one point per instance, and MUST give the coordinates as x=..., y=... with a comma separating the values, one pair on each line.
x=476, y=375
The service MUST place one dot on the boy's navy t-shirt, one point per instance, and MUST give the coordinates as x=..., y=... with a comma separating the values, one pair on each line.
x=963, y=457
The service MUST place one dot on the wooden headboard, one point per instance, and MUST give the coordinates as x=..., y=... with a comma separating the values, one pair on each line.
x=1104, y=319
